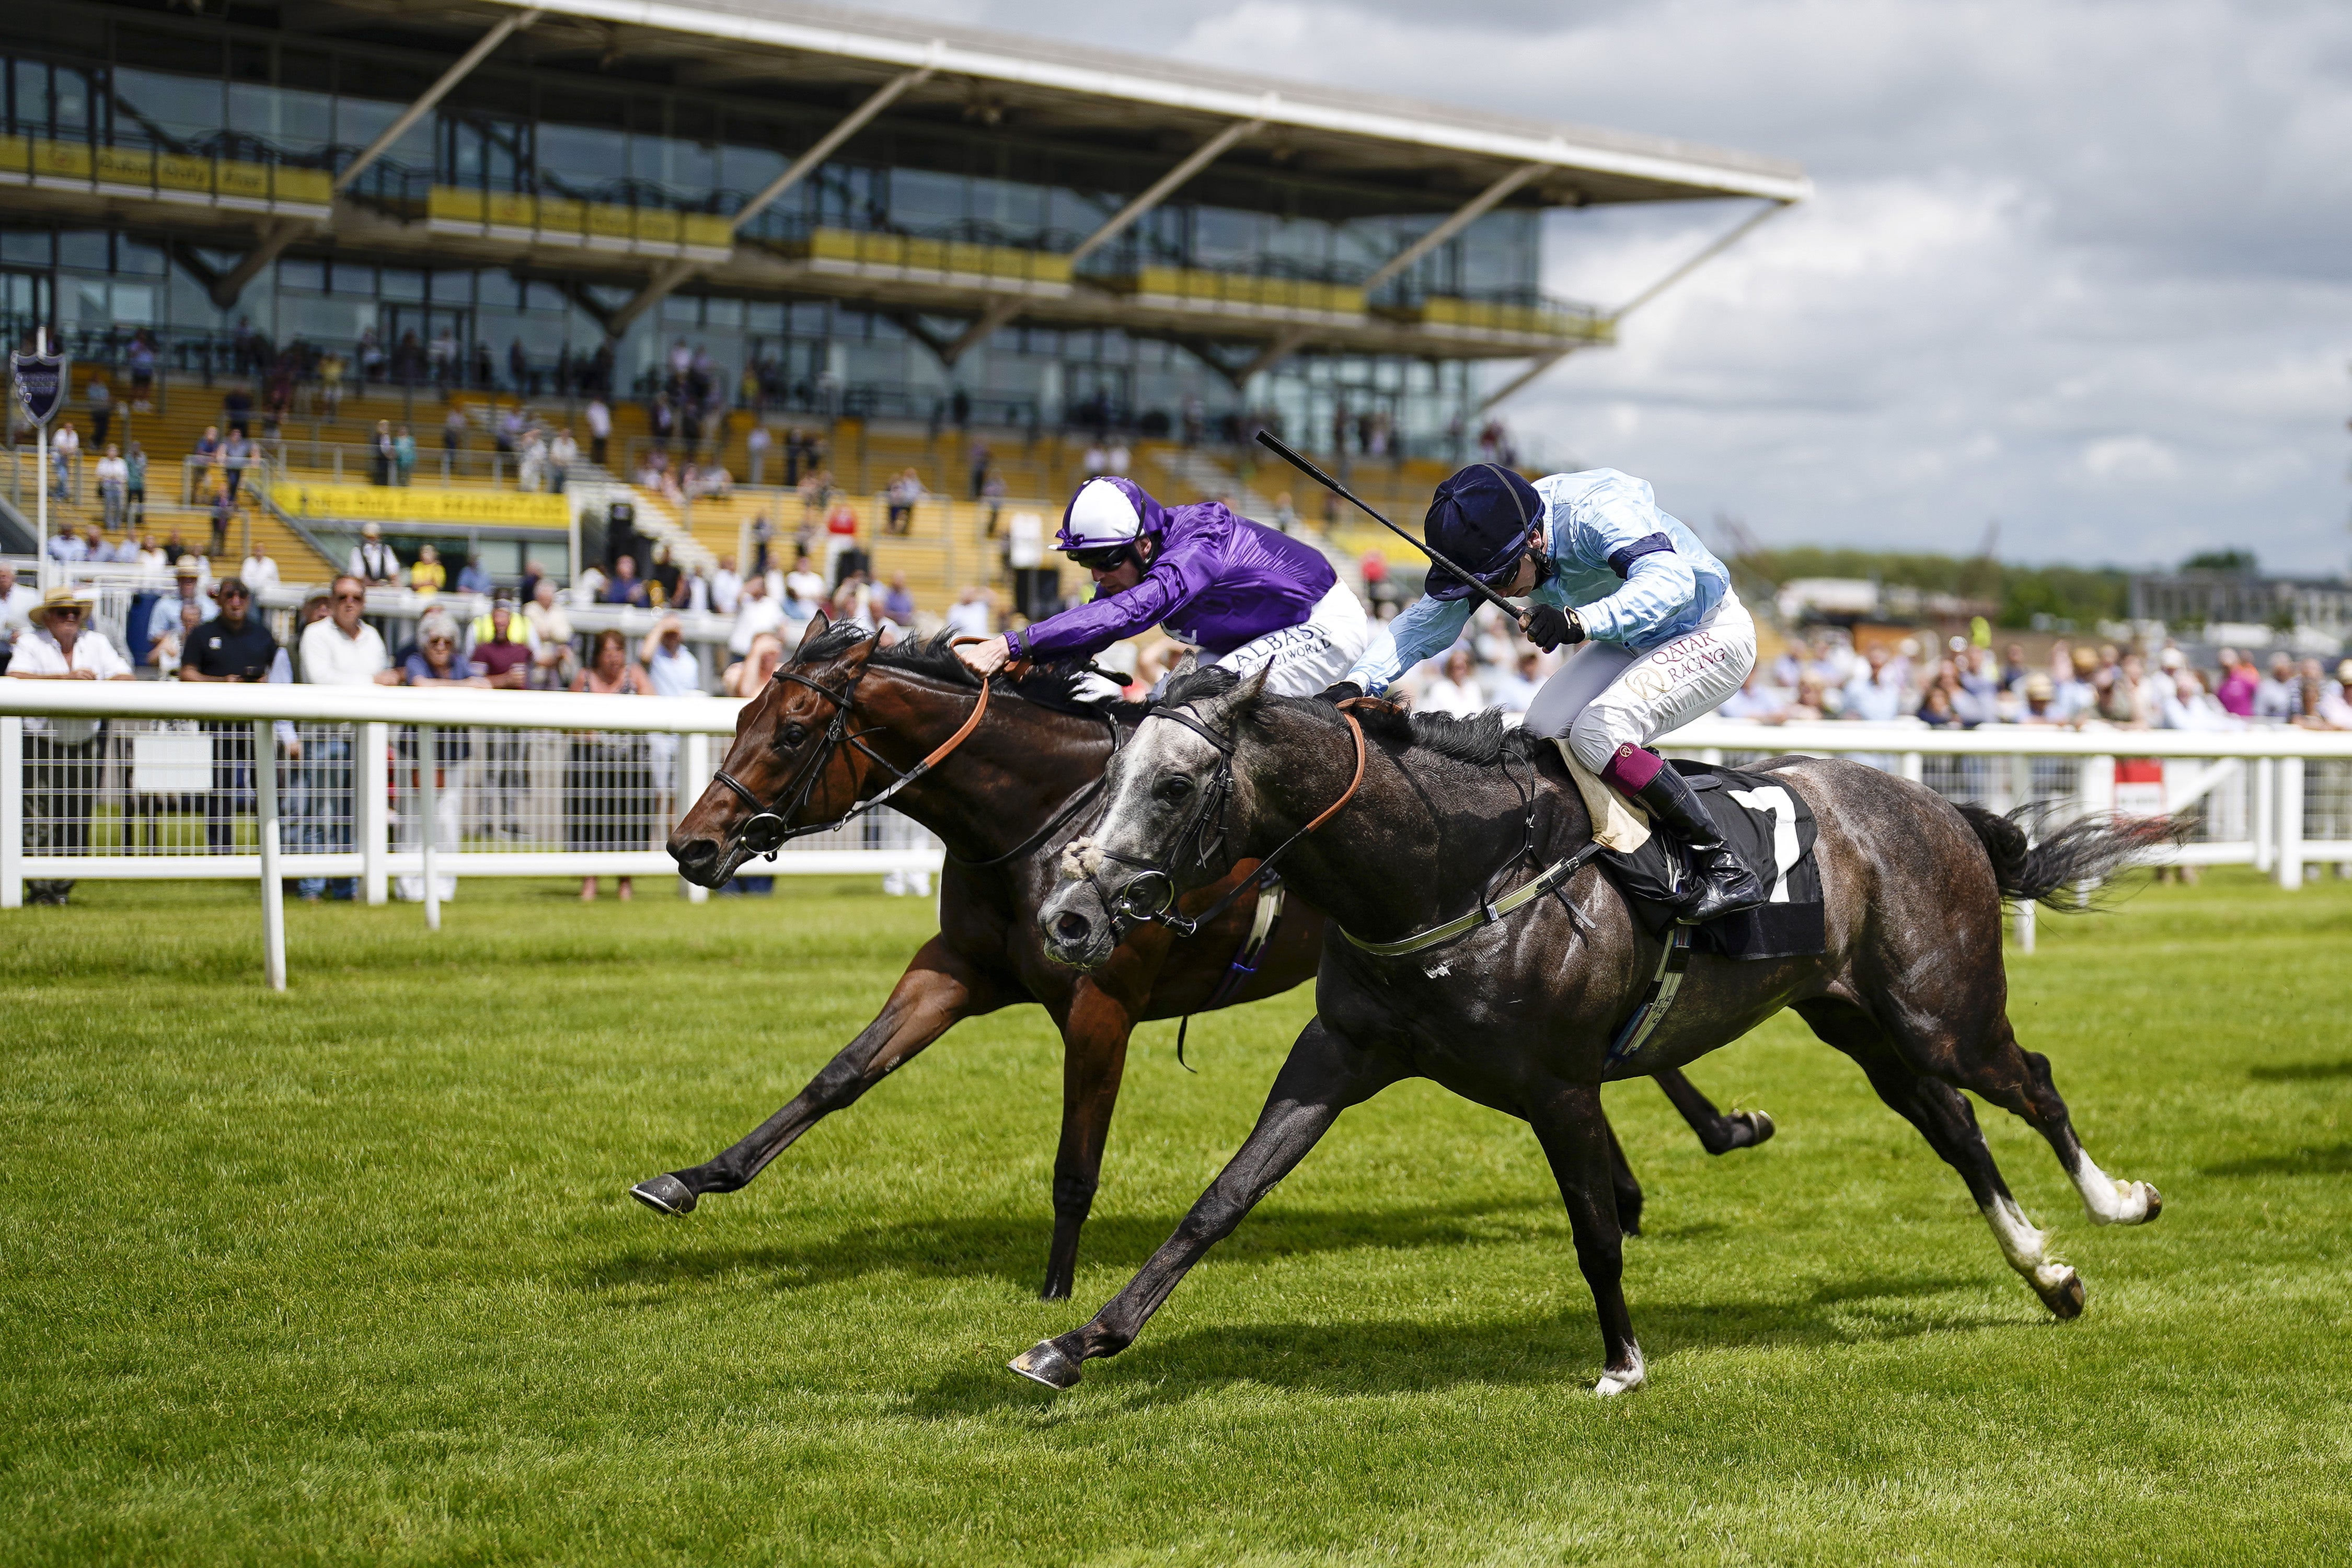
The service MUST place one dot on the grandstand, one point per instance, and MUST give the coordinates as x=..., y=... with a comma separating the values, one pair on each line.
x=906, y=238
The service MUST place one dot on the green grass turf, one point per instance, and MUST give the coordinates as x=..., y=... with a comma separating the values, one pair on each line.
x=351, y=1273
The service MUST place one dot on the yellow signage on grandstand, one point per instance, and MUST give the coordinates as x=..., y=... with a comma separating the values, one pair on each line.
x=384, y=503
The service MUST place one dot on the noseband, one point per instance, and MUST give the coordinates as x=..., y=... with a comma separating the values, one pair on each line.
x=769, y=827
x=1151, y=894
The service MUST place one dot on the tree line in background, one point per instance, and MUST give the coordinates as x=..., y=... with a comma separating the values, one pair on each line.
x=2084, y=596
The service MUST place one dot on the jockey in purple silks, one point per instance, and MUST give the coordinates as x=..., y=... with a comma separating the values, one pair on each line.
x=1242, y=594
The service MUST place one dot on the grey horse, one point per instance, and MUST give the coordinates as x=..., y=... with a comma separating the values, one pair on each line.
x=1519, y=1014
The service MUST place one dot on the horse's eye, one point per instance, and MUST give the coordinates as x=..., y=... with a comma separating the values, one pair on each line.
x=793, y=734
x=1174, y=791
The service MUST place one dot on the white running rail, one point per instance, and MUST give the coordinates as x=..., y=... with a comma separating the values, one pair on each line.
x=157, y=780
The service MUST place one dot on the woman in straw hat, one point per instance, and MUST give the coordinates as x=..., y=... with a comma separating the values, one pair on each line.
x=62, y=756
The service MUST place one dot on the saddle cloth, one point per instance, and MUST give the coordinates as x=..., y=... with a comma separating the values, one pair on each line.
x=1771, y=829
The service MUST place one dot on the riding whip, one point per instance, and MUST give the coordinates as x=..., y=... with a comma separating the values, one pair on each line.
x=1282, y=449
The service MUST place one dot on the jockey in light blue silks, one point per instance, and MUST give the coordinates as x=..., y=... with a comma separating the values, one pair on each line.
x=1243, y=594
x=1664, y=638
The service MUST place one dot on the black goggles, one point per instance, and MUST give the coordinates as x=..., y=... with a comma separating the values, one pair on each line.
x=1104, y=558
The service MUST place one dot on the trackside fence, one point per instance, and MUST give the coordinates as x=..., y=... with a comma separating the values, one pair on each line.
x=407, y=792
x=400, y=791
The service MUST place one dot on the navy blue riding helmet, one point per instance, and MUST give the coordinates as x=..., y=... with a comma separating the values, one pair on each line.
x=1484, y=517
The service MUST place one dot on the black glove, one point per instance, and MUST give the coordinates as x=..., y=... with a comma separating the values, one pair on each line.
x=1548, y=625
x=1342, y=692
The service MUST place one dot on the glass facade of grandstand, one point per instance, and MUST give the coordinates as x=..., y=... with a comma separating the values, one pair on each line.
x=149, y=85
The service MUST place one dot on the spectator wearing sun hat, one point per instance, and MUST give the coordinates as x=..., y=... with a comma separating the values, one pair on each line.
x=61, y=764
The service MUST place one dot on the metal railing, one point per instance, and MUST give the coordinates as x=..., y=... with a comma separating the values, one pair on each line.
x=146, y=780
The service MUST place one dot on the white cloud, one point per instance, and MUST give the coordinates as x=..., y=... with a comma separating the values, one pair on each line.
x=2075, y=264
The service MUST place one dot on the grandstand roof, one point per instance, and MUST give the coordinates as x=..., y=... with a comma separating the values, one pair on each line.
x=1440, y=151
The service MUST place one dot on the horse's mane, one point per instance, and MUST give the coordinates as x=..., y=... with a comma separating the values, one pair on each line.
x=1050, y=685
x=1481, y=740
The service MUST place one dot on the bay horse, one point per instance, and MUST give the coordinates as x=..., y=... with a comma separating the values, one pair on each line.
x=848, y=721
x=1519, y=1014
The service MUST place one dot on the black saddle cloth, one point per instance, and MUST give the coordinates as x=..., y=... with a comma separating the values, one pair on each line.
x=1771, y=829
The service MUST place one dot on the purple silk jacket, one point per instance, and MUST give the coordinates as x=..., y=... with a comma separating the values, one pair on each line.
x=1219, y=580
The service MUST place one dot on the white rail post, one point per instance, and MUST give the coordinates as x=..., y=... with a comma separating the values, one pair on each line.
x=12, y=813
x=695, y=779
x=2263, y=808
x=1915, y=767
x=2290, y=823
x=273, y=887
x=428, y=796
x=371, y=812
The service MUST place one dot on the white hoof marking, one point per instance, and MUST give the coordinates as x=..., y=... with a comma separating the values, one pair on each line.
x=1613, y=1384
x=2109, y=1201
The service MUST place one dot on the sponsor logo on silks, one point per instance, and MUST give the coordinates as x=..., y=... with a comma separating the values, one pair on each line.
x=40, y=384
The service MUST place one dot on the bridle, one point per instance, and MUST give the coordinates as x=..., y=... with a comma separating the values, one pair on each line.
x=1150, y=895
x=769, y=827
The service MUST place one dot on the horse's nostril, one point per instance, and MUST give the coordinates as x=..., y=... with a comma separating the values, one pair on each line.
x=695, y=852
x=1071, y=928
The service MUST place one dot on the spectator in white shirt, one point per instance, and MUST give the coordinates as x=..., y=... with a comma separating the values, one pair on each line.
x=258, y=572
x=344, y=649
x=804, y=590
x=373, y=561
x=674, y=673
x=60, y=755
x=726, y=587
x=341, y=650
x=599, y=419
x=545, y=612
x=64, y=450
x=755, y=613
x=16, y=602
x=968, y=616
x=113, y=485
x=1456, y=690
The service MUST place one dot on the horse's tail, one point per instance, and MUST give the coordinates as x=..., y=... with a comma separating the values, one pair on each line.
x=2084, y=853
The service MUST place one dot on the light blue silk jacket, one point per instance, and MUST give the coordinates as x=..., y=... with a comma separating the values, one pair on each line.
x=1634, y=575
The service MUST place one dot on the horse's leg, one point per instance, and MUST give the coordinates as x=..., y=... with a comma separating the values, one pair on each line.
x=2018, y=1080
x=1578, y=1142
x=1625, y=1187
x=1718, y=1133
x=1094, y=1055
x=1944, y=1116
x=939, y=989
x=1325, y=1075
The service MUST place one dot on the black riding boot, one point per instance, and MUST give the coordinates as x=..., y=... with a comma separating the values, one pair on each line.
x=1722, y=882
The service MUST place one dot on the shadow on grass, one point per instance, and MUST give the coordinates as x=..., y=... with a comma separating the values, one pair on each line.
x=2334, y=1160
x=1410, y=1356
x=2301, y=1072
x=1013, y=1249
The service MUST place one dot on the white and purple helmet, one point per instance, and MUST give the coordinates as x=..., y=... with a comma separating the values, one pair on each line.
x=1107, y=513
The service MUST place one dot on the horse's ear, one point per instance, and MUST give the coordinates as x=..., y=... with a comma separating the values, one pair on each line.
x=1244, y=696
x=818, y=626
x=1184, y=666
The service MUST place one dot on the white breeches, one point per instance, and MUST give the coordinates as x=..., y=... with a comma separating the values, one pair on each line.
x=1607, y=696
x=1316, y=653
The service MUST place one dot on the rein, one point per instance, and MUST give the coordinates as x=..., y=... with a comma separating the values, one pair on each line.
x=1152, y=895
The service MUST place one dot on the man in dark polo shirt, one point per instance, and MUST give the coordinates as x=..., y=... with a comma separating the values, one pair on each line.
x=233, y=645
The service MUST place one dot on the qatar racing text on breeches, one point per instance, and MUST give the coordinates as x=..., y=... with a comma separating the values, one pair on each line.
x=1607, y=696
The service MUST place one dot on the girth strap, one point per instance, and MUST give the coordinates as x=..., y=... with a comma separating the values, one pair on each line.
x=1527, y=892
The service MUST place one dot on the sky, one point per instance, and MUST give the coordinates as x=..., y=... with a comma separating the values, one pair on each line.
x=2080, y=271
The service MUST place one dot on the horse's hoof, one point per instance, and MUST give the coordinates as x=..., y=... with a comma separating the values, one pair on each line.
x=1621, y=1380
x=1054, y=1290
x=2155, y=1203
x=1629, y=1220
x=2063, y=1296
x=1761, y=1123
x=1045, y=1362
x=665, y=1194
